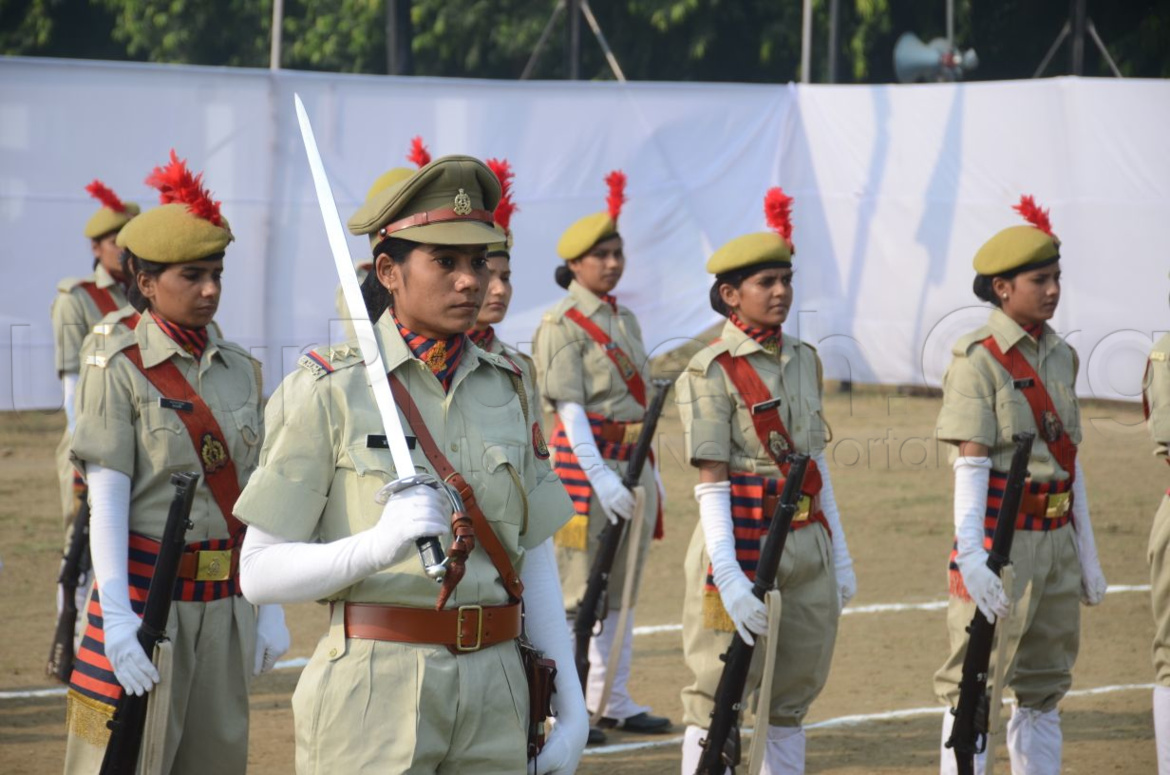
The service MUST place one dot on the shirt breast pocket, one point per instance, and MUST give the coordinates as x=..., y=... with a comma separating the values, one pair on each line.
x=165, y=436
x=499, y=489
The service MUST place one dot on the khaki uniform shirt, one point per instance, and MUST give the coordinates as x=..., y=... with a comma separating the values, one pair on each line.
x=121, y=426
x=717, y=420
x=75, y=314
x=980, y=403
x=318, y=475
x=574, y=368
x=528, y=366
x=1156, y=389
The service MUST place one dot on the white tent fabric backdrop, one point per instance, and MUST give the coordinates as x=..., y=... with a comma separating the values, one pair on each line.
x=895, y=187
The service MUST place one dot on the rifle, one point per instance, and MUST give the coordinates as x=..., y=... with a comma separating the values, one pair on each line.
x=970, y=728
x=721, y=748
x=593, y=603
x=126, y=727
x=74, y=565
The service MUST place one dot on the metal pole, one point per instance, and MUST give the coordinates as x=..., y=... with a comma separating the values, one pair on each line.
x=399, y=56
x=833, y=38
x=1101, y=47
x=574, y=47
x=277, y=23
x=806, y=42
x=1052, y=50
x=1077, y=64
x=593, y=25
x=951, y=24
x=560, y=6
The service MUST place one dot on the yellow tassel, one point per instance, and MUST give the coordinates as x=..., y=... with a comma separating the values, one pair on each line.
x=86, y=718
x=715, y=616
x=575, y=533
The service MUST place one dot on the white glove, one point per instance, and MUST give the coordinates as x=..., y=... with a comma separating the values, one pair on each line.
x=109, y=546
x=1093, y=584
x=972, y=475
x=544, y=623
x=272, y=639
x=68, y=390
x=407, y=516
x=615, y=499
x=661, y=487
x=842, y=560
x=746, y=610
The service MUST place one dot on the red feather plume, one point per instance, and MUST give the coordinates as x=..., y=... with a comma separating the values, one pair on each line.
x=778, y=213
x=176, y=184
x=504, y=210
x=103, y=194
x=1034, y=214
x=419, y=155
x=616, y=181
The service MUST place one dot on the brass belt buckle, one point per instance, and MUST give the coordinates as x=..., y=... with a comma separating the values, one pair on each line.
x=213, y=565
x=459, y=646
x=1058, y=505
x=631, y=432
x=803, y=509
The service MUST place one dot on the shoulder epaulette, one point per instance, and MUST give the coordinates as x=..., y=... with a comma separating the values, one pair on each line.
x=965, y=342
x=69, y=283
x=557, y=313
x=326, y=360
x=701, y=361
x=797, y=343
x=501, y=360
x=1161, y=351
x=115, y=337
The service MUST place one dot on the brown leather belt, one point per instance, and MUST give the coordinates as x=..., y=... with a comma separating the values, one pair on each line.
x=620, y=432
x=210, y=565
x=462, y=629
x=1045, y=505
x=806, y=508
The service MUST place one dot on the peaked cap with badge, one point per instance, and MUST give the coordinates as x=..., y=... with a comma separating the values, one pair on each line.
x=112, y=215
x=447, y=202
x=588, y=231
x=188, y=226
x=1021, y=246
x=763, y=247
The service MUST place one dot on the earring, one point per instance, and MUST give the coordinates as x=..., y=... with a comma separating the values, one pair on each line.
x=1005, y=297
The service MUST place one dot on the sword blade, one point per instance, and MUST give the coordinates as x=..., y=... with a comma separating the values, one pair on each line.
x=375, y=368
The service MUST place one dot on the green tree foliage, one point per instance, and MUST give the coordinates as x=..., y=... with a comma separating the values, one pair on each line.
x=699, y=40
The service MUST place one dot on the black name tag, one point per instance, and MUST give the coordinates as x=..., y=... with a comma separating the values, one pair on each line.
x=176, y=404
x=1020, y=384
x=374, y=441
x=764, y=406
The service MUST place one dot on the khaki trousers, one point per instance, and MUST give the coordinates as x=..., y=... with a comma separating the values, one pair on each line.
x=214, y=645
x=808, y=630
x=1159, y=556
x=1043, y=635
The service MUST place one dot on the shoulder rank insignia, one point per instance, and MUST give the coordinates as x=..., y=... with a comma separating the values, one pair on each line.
x=1159, y=356
x=100, y=361
x=316, y=365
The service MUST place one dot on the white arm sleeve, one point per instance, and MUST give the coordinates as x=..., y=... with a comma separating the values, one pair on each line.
x=972, y=475
x=841, y=556
x=68, y=390
x=715, y=516
x=274, y=570
x=581, y=438
x=109, y=538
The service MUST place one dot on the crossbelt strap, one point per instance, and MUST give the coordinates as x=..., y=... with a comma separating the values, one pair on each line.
x=625, y=366
x=210, y=444
x=483, y=531
x=102, y=298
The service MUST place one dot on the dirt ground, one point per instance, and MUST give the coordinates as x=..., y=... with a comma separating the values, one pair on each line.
x=894, y=494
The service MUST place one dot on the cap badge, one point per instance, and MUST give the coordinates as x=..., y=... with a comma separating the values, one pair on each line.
x=462, y=203
x=778, y=446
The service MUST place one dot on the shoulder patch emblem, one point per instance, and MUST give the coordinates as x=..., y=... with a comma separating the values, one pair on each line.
x=213, y=453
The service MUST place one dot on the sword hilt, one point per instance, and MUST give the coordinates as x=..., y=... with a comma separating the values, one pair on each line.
x=430, y=551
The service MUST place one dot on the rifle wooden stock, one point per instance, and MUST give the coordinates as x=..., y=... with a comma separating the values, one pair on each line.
x=969, y=730
x=721, y=748
x=129, y=719
x=589, y=608
x=73, y=566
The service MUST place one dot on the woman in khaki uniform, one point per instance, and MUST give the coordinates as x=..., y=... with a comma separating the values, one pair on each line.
x=396, y=685
x=160, y=393
x=1156, y=402
x=746, y=402
x=79, y=305
x=1015, y=374
x=593, y=370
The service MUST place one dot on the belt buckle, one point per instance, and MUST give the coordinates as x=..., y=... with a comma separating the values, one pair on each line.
x=1058, y=505
x=631, y=432
x=803, y=509
x=478, y=609
x=213, y=565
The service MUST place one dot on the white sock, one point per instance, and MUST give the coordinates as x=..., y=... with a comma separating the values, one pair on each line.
x=1162, y=727
x=785, y=751
x=1034, y=742
x=946, y=756
x=620, y=705
x=691, y=750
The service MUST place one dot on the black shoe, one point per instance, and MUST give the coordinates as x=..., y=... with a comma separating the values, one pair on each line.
x=643, y=723
x=596, y=736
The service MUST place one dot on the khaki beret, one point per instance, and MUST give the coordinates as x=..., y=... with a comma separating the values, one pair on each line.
x=171, y=234
x=759, y=248
x=1013, y=248
x=584, y=234
x=387, y=179
x=447, y=202
x=106, y=220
